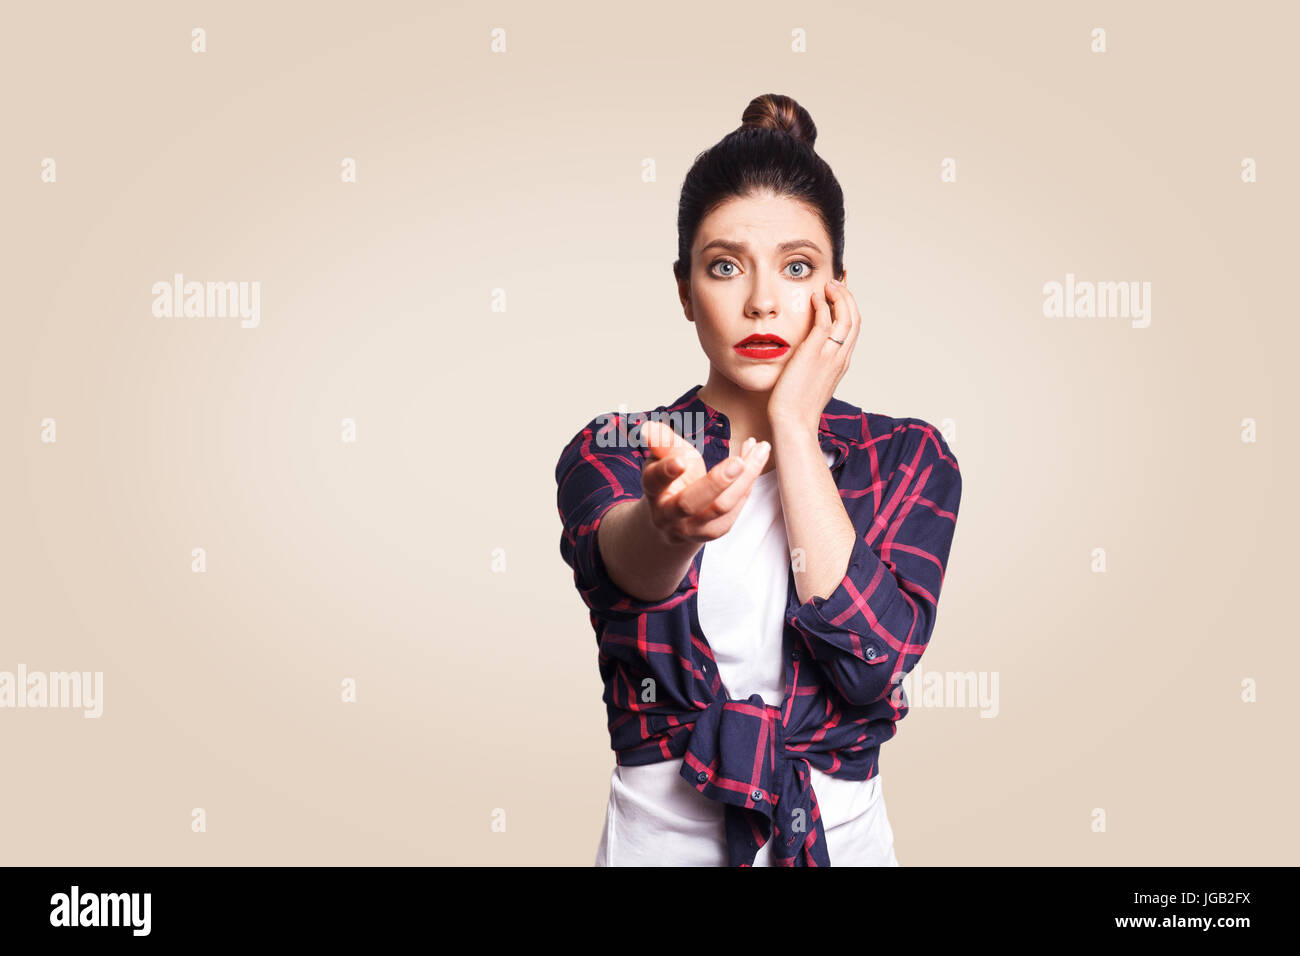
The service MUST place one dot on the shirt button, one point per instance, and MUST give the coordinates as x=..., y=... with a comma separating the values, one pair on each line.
x=756, y=796
x=871, y=653
x=794, y=654
x=702, y=776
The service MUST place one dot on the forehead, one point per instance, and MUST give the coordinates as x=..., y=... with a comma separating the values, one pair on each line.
x=762, y=221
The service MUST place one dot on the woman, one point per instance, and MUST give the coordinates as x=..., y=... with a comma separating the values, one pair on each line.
x=762, y=561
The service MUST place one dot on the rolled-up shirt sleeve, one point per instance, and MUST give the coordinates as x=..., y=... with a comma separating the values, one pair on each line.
x=869, y=632
x=595, y=473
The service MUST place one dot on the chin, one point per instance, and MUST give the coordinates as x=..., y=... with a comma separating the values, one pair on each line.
x=756, y=378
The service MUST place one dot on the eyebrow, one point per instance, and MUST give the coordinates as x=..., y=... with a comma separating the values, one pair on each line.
x=740, y=247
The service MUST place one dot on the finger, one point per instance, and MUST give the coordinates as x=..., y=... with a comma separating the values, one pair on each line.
x=743, y=450
x=843, y=321
x=658, y=475
x=828, y=327
x=821, y=312
x=665, y=477
x=700, y=498
x=661, y=439
x=738, y=491
x=669, y=458
x=856, y=319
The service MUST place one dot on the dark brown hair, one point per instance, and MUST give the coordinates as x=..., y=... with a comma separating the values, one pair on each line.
x=772, y=150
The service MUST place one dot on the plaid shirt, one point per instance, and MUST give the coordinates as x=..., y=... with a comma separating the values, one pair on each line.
x=844, y=653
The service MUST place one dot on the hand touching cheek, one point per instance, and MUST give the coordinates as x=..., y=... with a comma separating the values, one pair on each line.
x=813, y=371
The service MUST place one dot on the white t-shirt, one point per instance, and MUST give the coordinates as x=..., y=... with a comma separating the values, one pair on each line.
x=654, y=817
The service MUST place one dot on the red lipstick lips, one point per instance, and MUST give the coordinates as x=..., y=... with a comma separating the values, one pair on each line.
x=762, y=345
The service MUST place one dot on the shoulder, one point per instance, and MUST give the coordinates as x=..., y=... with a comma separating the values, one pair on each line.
x=918, y=437
x=888, y=441
x=900, y=465
x=606, y=430
x=615, y=433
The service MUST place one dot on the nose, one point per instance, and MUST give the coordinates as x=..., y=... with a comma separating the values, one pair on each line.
x=763, y=299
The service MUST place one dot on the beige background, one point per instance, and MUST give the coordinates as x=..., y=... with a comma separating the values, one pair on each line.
x=521, y=171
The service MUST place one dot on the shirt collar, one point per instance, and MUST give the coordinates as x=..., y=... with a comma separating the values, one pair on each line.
x=840, y=424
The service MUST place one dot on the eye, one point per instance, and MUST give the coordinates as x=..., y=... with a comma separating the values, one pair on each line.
x=804, y=268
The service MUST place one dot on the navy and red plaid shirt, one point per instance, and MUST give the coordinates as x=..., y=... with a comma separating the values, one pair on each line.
x=844, y=653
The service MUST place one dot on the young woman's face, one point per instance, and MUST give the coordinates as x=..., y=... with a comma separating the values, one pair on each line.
x=754, y=263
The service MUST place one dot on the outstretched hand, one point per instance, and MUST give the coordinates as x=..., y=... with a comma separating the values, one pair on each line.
x=689, y=503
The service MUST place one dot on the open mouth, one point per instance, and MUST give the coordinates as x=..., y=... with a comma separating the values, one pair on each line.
x=762, y=346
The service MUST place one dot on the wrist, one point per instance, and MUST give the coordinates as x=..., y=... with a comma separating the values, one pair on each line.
x=785, y=429
x=660, y=538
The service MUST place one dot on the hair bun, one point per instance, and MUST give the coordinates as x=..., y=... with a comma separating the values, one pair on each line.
x=779, y=112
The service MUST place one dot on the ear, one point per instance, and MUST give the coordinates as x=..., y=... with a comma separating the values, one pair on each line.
x=684, y=294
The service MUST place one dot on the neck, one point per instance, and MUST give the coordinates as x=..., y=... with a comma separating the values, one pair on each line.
x=746, y=411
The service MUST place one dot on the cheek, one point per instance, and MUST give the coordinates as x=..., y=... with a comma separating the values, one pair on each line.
x=797, y=301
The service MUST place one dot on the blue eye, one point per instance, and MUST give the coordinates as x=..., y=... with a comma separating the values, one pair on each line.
x=805, y=268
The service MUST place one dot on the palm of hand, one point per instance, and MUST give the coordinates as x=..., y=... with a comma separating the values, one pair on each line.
x=694, y=471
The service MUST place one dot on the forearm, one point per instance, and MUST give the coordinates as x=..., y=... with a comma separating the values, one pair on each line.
x=820, y=534
x=637, y=557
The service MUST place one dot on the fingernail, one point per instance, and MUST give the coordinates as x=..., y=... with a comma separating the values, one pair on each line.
x=764, y=448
